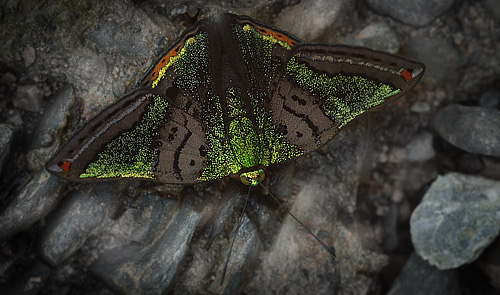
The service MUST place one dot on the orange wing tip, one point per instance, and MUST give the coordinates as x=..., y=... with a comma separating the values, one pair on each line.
x=411, y=74
x=65, y=166
x=406, y=75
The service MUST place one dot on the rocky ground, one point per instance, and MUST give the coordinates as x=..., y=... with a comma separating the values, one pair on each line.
x=409, y=195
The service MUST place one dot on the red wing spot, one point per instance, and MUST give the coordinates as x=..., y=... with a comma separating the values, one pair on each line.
x=65, y=166
x=406, y=75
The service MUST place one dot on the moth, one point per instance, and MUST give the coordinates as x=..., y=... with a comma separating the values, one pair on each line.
x=232, y=96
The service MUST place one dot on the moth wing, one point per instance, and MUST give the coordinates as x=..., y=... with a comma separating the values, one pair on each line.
x=323, y=87
x=140, y=136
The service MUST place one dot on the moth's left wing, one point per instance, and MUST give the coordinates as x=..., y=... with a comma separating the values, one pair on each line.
x=141, y=136
x=322, y=88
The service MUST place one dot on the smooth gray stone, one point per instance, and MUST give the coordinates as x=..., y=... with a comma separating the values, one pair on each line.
x=29, y=98
x=35, y=200
x=441, y=57
x=138, y=268
x=83, y=211
x=420, y=278
x=420, y=148
x=246, y=249
x=411, y=12
x=378, y=36
x=311, y=19
x=457, y=219
x=121, y=38
x=6, y=133
x=473, y=129
x=46, y=137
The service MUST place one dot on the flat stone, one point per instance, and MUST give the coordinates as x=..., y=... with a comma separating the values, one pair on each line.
x=310, y=19
x=35, y=200
x=245, y=251
x=420, y=278
x=29, y=98
x=420, y=107
x=6, y=133
x=473, y=129
x=149, y=266
x=441, y=57
x=80, y=215
x=210, y=252
x=456, y=220
x=378, y=36
x=29, y=56
x=420, y=148
x=45, y=141
x=417, y=12
x=117, y=37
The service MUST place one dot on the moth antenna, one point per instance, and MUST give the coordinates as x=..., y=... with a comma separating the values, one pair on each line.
x=330, y=250
x=240, y=221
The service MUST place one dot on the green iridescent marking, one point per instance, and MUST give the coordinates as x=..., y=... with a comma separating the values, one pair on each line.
x=173, y=59
x=131, y=153
x=245, y=142
x=267, y=38
x=346, y=97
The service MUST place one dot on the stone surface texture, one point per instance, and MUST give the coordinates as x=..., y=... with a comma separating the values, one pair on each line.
x=62, y=62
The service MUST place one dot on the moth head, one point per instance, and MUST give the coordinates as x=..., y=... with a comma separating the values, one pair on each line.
x=253, y=178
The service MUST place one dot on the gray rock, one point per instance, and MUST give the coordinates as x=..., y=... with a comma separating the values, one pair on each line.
x=6, y=133
x=456, y=220
x=29, y=98
x=420, y=278
x=493, y=7
x=417, y=12
x=473, y=129
x=246, y=248
x=35, y=200
x=29, y=56
x=79, y=216
x=54, y=118
x=420, y=107
x=311, y=19
x=378, y=36
x=112, y=36
x=210, y=253
x=490, y=99
x=145, y=219
x=441, y=57
x=420, y=148
x=148, y=268
x=46, y=140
